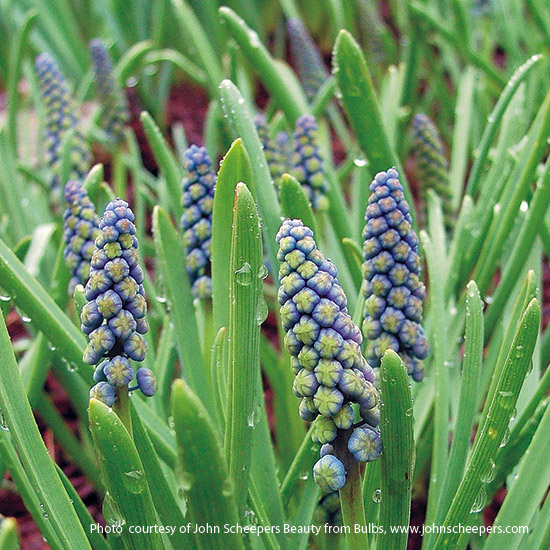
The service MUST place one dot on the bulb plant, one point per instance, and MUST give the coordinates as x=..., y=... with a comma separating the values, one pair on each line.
x=312, y=332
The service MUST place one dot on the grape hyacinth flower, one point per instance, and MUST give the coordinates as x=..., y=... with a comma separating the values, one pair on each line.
x=114, y=316
x=309, y=64
x=432, y=164
x=81, y=228
x=198, y=197
x=276, y=151
x=61, y=118
x=115, y=113
x=392, y=287
x=308, y=165
x=325, y=347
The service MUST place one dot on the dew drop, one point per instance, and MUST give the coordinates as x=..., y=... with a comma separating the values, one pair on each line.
x=186, y=480
x=261, y=310
x=505, y=438
x=243, y=275
x=360, y=162
x=377, y=496
x=479, y=502
x=263, y=272
x=489, y=475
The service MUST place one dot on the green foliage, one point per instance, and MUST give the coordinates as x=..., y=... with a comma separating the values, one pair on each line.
x=221, y=442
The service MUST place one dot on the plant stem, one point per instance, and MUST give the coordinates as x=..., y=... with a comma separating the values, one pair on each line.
x=353, y=511
x=122, y=408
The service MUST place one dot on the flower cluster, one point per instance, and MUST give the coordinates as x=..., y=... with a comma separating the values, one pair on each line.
x=61, y=118
x=308, y=165
x=277, y=151
x=432, y=165
x=392, y=287
x=81, y=228
x=114, y=106
x=309, y=64
x=325, y=346
x=198, y=197
x=114, y=316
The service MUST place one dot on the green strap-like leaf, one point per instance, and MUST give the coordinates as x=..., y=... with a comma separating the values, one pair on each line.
x=44, y=313
x=397, y=460
x=493, y=424
x=234, y=168
x=32, y=452
x=292, y=103
x=165, y=160
x=263, y=190
x=362, y=108
x=294, y=202
x=209, y=489
x=124, y=476
x=245, y=317
x=178, y=288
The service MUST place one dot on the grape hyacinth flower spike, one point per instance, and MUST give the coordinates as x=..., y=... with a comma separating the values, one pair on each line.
x=309, y=64
x=198, y=198
x=277, y=151
x=392, y=287
x=61, y=118
x=114, y=316
x=433, y=168
x=325, y=347
x=81, y=228
x=308, y=165
x=115, y=113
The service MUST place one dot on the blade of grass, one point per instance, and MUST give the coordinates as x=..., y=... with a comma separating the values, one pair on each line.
x=527, y=492
x=471, y=372
x=32, y=452
x=397, y=460
x=362, y=108
x=244, y=339
x=263, y=190
x=234, y=168
x=178, y=289
x=209, y=489
x=124, y=476
x=494, y=423
x=292, y=103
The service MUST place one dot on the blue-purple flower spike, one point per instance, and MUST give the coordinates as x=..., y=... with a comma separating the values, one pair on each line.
x=61, y=117
x=325, y=348
x=198, y=197
x=277, y=151
x=308, y=164
x=114, y=316
x=115, y=113
x=309, y=64
x=392, y=287
x=81, y=228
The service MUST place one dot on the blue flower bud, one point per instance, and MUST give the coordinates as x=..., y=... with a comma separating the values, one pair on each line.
x=61, y=117
x=329, y=473
x=364, y=444
x=103, y=392
x=114, y=107
x=198, y=195
x=146, y=381
x=392, y=288
x=325, y=430
x=309, y=64
x=307, y=162
x=114, y=317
